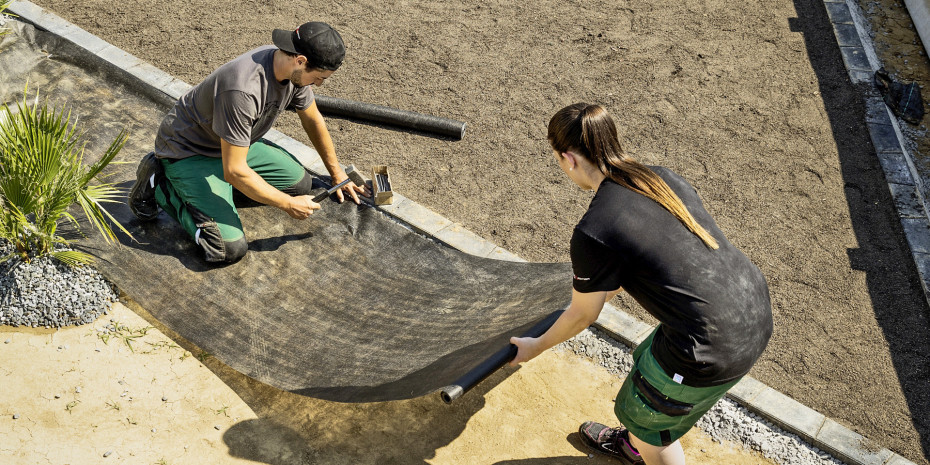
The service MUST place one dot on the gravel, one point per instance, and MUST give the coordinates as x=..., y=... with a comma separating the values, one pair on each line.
x=726, y=421
x=48, y=293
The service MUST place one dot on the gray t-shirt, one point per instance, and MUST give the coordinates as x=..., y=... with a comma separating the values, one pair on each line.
x=239, y=102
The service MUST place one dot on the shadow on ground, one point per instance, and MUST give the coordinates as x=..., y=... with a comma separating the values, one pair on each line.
x=294, y=429
x=883, y=254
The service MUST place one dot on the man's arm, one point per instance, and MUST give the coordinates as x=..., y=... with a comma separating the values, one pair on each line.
x=315, y=127
x=238, y=173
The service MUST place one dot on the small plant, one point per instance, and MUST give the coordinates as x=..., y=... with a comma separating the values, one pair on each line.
x=123, y=332
x=42, y=174
x=4, y=4
x=113, y=405
x=70, y=406
x=222, y=411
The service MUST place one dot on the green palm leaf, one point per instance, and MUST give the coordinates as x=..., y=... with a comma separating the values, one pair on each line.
x=42, y=175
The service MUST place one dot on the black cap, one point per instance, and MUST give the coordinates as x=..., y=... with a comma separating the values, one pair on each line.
x=319, y=42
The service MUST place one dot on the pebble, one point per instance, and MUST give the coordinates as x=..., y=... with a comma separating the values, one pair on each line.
x=16, y=416
x=77, y=389
x=107, y=453
x=48, y=293
x=216, y=427
x=727, y=420
x=7, y=341
x=164, y=398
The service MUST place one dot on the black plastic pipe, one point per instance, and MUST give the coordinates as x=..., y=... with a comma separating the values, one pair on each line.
x=493, y=363
x=387, y=115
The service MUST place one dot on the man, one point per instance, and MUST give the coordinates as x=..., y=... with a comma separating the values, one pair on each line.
x=210, y=142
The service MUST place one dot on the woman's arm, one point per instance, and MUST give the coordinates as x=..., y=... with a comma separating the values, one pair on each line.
x=583, y=311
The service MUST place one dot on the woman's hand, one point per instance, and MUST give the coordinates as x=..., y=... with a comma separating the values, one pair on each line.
x=527, y=349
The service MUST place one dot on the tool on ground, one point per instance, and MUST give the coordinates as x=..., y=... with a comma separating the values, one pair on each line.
x=381, y=185
x=353, y=175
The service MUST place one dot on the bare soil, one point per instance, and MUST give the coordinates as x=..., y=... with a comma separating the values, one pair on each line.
x=749, y=101
x=138, y=397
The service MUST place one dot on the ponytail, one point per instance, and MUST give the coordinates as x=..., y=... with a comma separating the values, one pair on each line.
x=590, y=130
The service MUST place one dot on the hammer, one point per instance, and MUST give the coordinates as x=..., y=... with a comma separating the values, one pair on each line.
x=353, y=177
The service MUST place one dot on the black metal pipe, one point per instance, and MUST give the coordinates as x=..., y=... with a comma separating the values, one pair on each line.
x=493, y=363
x=387, y=115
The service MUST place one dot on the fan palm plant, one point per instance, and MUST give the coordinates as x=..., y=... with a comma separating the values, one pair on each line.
x=42, y=174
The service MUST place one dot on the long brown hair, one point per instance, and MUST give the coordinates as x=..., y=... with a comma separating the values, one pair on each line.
x=589, y=130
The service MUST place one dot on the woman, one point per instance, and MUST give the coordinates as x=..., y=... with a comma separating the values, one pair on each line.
x=647, y=232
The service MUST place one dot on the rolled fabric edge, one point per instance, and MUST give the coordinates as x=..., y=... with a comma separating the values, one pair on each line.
x=393, y=116
x=493, y=363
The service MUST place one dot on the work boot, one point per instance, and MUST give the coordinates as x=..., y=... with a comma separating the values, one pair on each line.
x=614, y=442
x=142, y=196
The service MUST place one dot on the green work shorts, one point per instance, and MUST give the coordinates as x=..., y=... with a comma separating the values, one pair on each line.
x=639, y=412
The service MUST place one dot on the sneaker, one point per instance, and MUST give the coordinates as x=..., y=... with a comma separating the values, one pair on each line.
x=614, y=442
x=142, y=196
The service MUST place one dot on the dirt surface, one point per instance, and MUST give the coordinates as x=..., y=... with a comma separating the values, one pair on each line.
x=750, y=102
x=138, y=397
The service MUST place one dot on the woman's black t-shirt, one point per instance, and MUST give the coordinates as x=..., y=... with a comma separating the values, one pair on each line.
x=713, y=305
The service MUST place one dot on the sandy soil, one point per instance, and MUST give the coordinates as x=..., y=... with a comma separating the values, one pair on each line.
x=139, y=397
x=749, y=102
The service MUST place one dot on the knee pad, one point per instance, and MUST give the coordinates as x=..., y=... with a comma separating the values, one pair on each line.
x=236, y=249
x=302, y=187
x=215, y=248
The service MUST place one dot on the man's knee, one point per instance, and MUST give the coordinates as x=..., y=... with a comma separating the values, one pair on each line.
x=302, y=187
x=216, y=249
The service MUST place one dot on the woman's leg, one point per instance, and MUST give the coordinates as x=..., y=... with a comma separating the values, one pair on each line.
x=671, y=454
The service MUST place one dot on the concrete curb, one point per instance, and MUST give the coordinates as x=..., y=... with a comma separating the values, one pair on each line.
x=781, y=410
x=904, y=180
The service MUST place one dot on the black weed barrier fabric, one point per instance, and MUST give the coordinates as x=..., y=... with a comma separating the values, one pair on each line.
x=348, y=306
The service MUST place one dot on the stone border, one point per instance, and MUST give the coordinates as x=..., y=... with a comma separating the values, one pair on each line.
x=781, y=410
x=904, y=181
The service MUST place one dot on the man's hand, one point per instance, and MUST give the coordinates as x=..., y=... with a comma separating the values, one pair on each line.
x=527, y=349
x=301, y=207
x=351, y=188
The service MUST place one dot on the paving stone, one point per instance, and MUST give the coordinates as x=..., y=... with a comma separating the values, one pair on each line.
x=457, y=236
x=622, y=326
x=150, y=75
x=839, y=13
x=917, y=231
x=847, y=35
x=859, y=76
x=85, y=40
x=855, y=59
x=876, y=112
x=176, y=88
x=898, y=460
x=906, y=200
x=849, y=446
x=895, y=167
x=418, y=217
x=789, y=413
x=746, y=390
x=922, y=261
x=503, y=254
x=884, y=138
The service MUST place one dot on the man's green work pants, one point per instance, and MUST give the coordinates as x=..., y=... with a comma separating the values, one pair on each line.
x=195, y=193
